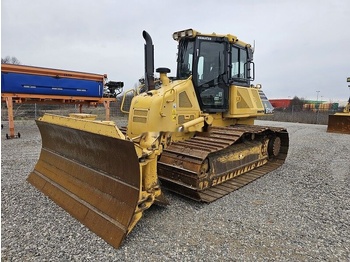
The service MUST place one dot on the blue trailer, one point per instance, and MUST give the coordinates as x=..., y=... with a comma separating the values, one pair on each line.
x=21, y=79
x=29, y=84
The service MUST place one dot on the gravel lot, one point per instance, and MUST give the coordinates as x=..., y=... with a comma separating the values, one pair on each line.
x=299, y=212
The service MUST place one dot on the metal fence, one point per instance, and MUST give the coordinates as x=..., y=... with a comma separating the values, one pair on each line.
x=298, y=114
x=33, y=111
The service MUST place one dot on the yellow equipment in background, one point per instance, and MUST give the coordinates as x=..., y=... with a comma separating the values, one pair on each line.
x=195, y=133
x=340, y=122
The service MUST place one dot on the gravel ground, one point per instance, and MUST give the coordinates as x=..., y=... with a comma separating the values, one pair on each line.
x=298, y=212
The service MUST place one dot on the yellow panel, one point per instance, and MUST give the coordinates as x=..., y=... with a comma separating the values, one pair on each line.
x=257, y=100
x=246, y=99
x=245, y=102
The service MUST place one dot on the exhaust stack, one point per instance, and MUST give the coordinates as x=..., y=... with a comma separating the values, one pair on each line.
x=149, y=61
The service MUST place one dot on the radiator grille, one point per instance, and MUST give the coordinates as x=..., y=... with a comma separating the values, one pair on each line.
x=184, y=118
x=139, y=119
x=184, y=101
x=139, y=112
x=140, y=115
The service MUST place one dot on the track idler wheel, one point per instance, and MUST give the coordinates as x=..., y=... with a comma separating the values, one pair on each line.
x=274, y=146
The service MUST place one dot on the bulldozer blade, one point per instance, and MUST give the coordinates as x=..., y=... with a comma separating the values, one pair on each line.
x=94, y=177
x=339, y=123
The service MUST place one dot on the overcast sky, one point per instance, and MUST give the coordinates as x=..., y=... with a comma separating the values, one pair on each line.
x=302, y=46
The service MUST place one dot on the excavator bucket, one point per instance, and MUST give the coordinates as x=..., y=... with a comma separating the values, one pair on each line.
x=339, y=123
x=90, y=170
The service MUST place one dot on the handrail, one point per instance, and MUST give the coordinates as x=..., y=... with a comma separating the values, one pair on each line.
x=122, y=104
x=172, y=90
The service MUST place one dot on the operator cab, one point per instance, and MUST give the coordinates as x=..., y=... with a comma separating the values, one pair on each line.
x=215, y=63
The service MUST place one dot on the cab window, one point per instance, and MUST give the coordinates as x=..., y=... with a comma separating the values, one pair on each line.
x=239, y=63
x=185, y=59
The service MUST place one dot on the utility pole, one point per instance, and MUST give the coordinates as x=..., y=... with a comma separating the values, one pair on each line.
x=317, y=107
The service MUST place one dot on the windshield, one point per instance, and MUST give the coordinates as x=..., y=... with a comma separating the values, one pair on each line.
x=210, y=61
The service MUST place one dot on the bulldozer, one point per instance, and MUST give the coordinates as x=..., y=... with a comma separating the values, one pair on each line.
x=340, y=122
x=193, y=134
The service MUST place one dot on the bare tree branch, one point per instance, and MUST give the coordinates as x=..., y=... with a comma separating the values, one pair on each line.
x=10, y=60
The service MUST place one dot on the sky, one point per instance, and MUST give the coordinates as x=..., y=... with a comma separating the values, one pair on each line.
x=301, y=46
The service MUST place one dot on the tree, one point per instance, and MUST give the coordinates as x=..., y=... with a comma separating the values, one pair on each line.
x=296, y=104
x=10, y=60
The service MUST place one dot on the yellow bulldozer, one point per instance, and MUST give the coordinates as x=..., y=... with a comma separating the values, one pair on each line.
x=340, y=122
x=193, y=134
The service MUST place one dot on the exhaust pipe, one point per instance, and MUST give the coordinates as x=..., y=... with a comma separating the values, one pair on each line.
x=149, y=61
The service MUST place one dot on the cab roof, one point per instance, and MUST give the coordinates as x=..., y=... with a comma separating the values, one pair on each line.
x=190, y=33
